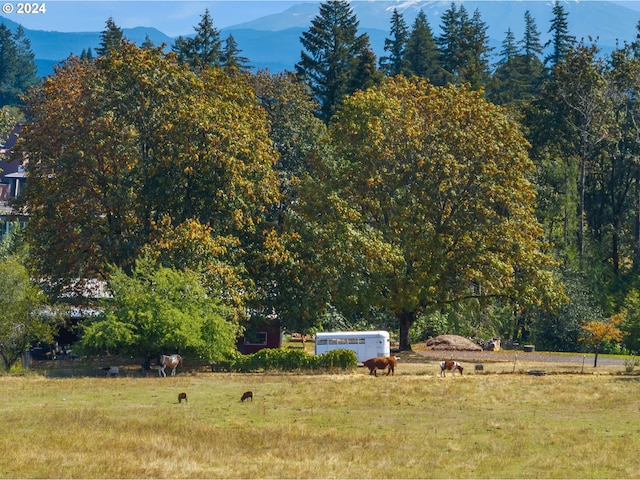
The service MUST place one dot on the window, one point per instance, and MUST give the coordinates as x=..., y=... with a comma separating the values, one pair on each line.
x=255, y=338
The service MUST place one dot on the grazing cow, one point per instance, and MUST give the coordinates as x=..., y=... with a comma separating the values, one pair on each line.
x=182, y=396
x=380, y=363
x=451, y=365
x=246, y=395
x=171, y=361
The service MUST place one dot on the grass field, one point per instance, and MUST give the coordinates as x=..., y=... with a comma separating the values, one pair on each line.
x=349, y=425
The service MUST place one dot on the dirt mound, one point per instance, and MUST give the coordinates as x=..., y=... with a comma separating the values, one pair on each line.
x=451, y=342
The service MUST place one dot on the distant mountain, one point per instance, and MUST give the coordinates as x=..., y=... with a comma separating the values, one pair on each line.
x=52, y=47
x=273, y=41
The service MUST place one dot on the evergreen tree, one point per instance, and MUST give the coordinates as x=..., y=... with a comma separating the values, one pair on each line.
x=450, y=42
x=366, y=73
x=112, y=37
x=18, y=70
x=507, y=79
x=509, y=48
x=8, y=66
x=475, y=52
x=204, y=49
x=27, y=72
x=421, y=56
x=330, y=58
x=231, y=58
x=87, y=54
x=395, y=62
x=561, y=42
x=148, y=43
x=530, y=43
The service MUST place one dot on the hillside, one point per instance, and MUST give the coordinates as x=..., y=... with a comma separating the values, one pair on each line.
x=273, y=42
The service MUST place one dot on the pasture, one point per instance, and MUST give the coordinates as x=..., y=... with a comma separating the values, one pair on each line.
x=347, y=425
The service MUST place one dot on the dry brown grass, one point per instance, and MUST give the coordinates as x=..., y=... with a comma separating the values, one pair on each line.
x=412, y=425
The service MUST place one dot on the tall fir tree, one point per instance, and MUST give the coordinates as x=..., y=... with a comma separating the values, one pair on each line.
x=560, y=41
x=530, y=43
x=111, y=38
x=366, y=73
x=509, y=49
x=475, y=52
x=450, y=41
x=8, y=66
x=204, y=49
x=422, y=58
x=18, y=71
x=394, y=63
x=330, y=58
x=231, y=58
x=27, y=74
x=508, y=81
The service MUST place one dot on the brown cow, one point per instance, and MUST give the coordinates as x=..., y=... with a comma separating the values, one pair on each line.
x=380, y=363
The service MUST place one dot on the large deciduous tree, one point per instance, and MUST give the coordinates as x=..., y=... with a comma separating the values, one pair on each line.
x=118, y=145
x=427, y=203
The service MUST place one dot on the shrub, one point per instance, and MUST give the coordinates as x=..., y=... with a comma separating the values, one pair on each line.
x=630, y=364
x=288, y=359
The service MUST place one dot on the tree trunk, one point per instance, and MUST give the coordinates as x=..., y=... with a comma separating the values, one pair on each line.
x=636, y=229
x=595, y=358
x=581, y=209
x=405, y=320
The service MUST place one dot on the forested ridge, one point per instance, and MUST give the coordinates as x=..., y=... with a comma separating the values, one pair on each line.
x=428, y=191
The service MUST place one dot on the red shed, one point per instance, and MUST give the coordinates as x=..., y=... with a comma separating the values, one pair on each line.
x=267, y=334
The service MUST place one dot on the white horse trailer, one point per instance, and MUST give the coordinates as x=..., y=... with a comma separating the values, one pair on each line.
x=366, y=345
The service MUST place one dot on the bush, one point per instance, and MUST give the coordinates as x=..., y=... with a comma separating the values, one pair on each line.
x=288, y=359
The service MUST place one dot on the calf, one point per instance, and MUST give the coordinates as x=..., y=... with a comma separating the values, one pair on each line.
x=380, y=363
x=182, y=396
x=451, y=365
x=246, y=395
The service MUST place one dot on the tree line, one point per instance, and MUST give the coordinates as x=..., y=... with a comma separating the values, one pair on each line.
x=425, y=192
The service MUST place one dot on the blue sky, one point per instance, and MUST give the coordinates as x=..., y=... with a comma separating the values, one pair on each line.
x=171, y=17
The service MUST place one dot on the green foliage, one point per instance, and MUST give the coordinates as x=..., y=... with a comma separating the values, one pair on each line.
x=430, y=325
x=394, y=62
x=18, y=70
x=559, y=329
x=631, y=324
x=430, y=206
x=111, y=38
x=561, y=42
x=333, y=56
x=204, y=48
x=421, y=56
x=289, y=359
x=22, y=311
x=107, y=201
x=160, y=309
